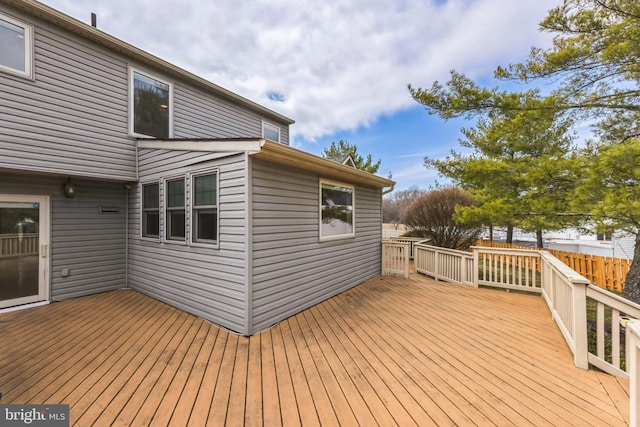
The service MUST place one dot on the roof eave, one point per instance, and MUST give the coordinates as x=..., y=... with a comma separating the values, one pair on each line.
x=273, y=152
x=289, y=156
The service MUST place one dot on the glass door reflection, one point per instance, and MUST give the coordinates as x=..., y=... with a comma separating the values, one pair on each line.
x=19, y=250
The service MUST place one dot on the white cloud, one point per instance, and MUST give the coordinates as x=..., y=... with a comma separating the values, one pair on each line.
x=328, y=65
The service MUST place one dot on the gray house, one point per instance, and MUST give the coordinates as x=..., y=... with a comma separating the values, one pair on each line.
x=121, y=170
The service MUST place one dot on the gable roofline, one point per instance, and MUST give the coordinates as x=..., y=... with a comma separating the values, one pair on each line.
x=345, y=159
x=88, y=32
x=273, y=152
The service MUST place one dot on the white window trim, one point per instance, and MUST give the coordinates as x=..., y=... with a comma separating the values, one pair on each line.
x=353, y=212
x=190, y=208
x=264, y=124
x=142, y=236
x=28, y=48
x=131, y=106
x=165, y=207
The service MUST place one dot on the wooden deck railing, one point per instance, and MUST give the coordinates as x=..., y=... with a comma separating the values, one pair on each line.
x=611, y=311
x=606, y=272
x=18, y=244
x=396, y=253
x=516, y=269
x=444, y=264
x=564, y=290
x=587, y=315
x=412, y=241
x=395, y=258
x=592, y=320
x=634, y=380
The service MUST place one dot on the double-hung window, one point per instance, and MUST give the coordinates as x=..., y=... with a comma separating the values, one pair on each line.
x=175, y=215
x=204, y=207
x=16, y=52
x=150, y=105
x=270, y=132
x=151, y=210
x=336, y=211
x=190, y=216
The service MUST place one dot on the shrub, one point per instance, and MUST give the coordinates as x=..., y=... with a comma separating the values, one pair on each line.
x=433, y=216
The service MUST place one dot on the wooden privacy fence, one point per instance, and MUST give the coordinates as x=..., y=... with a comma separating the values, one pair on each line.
x=606, y=272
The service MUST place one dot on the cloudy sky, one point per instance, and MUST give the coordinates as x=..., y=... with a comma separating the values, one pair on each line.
x=339, y=68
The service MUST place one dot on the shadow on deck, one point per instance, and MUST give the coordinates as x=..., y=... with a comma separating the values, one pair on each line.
x=388, y=352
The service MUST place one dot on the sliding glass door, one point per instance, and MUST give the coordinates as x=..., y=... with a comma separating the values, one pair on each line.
x=24, y=249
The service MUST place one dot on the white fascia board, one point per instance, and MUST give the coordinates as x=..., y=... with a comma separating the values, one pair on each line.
x=289, y=156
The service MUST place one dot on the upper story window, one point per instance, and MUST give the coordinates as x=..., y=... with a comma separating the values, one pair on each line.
x=336, y=211
x=151, y=210
x=270, y=132
x=150, y=104
x=16, y=53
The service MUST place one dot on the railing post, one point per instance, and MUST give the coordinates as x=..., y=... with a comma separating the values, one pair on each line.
x=476, y=266
x=633, y=355
x=581, y=355
x=405, y=265
x=463, y=270
x=548, y=284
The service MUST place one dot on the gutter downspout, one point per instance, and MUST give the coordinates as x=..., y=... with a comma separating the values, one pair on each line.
x=385, y=192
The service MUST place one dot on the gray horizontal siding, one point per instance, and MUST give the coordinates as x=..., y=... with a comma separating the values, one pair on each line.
x=292, y=270
x=200, y=115
x=73, y=117
x=210, y=283
x=90, y=244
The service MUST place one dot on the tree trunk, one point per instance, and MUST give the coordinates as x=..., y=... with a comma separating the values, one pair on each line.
x=632, y=281
x=491, y=235
x=539, y=244
x=510, y=234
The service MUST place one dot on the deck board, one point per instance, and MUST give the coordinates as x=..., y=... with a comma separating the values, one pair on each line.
x=186, y=401
x=270, y=401
x=391, y=351
x=202, y=404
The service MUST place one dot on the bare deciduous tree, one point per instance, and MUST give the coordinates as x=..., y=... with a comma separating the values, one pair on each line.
x=395, y=206
x=433, y=216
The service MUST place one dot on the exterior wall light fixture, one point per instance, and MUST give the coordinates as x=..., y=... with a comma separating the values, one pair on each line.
x=69, y=189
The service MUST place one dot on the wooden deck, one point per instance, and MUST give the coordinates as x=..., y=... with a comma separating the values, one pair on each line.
x=388, y=352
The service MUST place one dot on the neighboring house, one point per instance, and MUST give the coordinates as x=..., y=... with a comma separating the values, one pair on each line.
x=118, y=169
x=345, y=159
x=615, y=244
